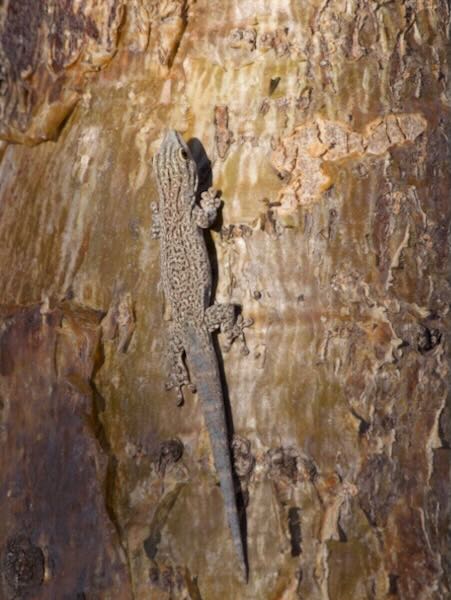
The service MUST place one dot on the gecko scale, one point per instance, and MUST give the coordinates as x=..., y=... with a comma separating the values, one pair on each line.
x=178, y=221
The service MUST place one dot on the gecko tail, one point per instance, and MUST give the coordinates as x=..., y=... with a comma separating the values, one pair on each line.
x=203, y=365
x=223, y=464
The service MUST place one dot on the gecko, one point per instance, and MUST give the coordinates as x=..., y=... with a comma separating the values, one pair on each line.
x=185, y=271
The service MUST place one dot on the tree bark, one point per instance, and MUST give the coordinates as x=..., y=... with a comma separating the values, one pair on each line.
x=327, y=126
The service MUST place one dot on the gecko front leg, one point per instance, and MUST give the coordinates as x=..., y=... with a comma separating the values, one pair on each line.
x=223, y=317
x=205, y=214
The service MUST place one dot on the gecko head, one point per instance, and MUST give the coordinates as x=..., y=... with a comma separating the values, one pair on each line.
x=174, y=165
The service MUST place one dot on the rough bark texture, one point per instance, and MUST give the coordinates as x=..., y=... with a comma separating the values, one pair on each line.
x=327, y=124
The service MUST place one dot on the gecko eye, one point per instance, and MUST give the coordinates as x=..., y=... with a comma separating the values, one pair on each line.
x=183, y=153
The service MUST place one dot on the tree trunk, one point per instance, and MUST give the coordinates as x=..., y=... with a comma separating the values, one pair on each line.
x=327, y=127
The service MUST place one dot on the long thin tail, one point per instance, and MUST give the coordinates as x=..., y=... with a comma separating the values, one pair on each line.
x=203, y=364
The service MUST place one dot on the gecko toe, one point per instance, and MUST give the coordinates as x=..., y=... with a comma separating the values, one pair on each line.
x=180, y=398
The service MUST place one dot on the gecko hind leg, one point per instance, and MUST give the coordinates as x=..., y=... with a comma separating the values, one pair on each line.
x=224, y=317
x=178, y=375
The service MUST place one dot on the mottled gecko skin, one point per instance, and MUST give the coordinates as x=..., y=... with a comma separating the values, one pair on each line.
x=186, y=277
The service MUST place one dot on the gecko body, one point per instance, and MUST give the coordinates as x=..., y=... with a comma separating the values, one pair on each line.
x=178, y=221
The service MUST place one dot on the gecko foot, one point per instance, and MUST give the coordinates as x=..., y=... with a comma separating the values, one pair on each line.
x=180, y=396
x=210, y=202
x=223, y=317
x=171, y=384
x=237, y=332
